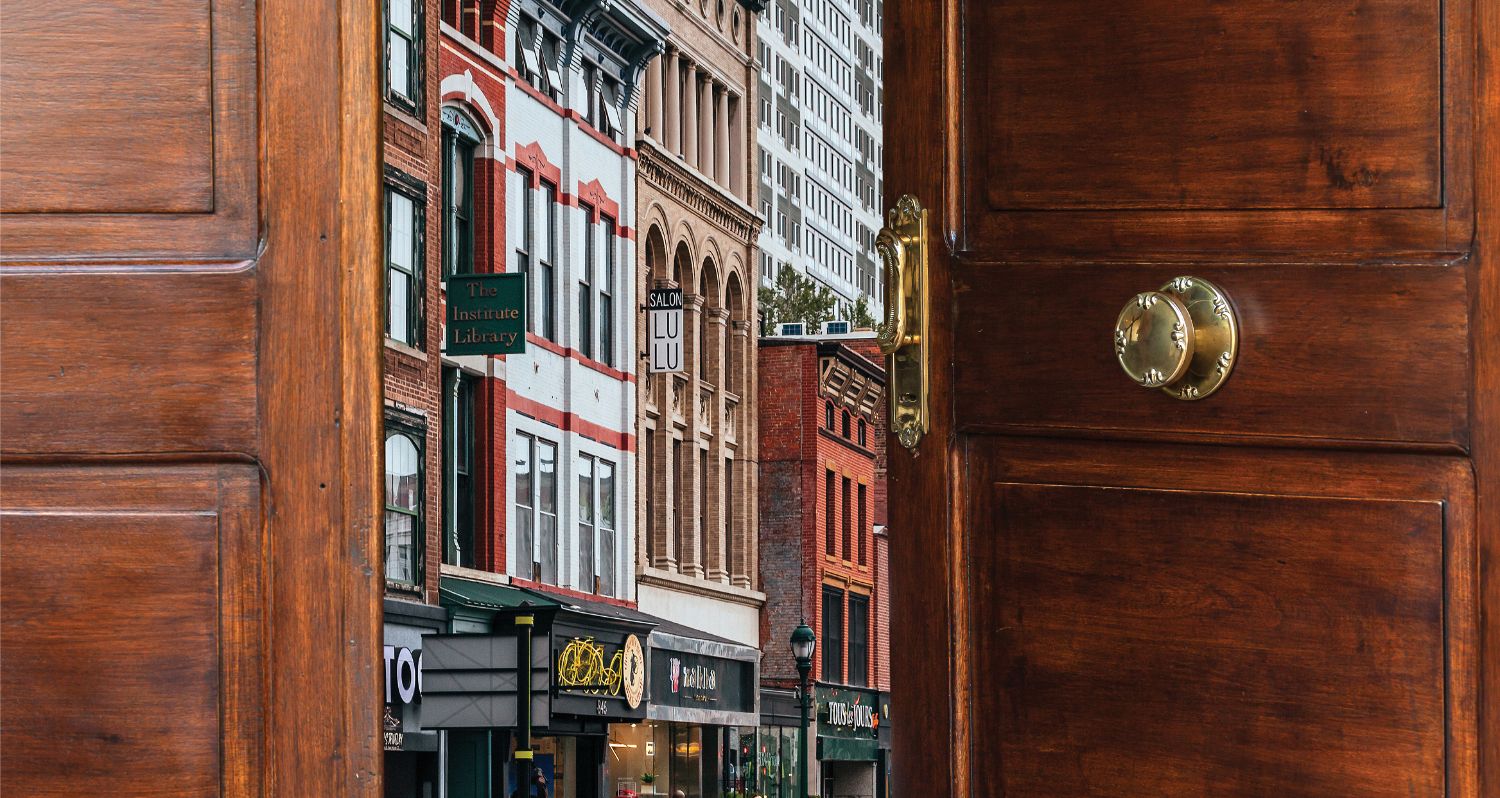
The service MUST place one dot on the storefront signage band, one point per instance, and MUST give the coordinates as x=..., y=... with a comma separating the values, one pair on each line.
x=403, y=675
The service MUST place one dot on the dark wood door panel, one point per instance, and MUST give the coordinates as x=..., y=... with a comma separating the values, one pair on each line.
x=137, y=136
x=1185, y=621
x=128, y=362
x=133, y=631
x=1377, y=354
x=1261, y=126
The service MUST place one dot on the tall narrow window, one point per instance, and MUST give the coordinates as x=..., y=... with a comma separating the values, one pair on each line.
x=607, y=295
x=607, y=542
x=828, y=415
x=859, y=640
x=678, y=520
x=729, y=514
x=848, y=541
x=862, y=441
x=833, y=635
x=864, y=528
x=458, y=469
x=526, y=237
x=547, y=254
x=460, y=138
x=403, y=54
x=844, y=427
x=528, y=58
x=705, y=532
x=586, y=285
x=403, y=505
x=404, y=213
x=546, y=505
x=650, y=478
x=828, y=513
x=591, y=95
x=551, y=55
x=609, y=101
x=525, y=564
x=586, y=541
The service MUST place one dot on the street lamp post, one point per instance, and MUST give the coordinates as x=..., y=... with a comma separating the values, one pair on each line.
x=802, y=650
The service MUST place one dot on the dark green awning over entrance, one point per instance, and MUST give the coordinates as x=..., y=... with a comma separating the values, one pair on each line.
x=843, y=749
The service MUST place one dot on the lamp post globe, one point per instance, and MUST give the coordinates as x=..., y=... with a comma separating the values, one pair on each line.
x=803, y=641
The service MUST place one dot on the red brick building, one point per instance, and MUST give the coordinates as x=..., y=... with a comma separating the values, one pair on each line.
x=822, y=544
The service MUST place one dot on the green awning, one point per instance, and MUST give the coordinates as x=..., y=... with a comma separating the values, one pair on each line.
x=486, y=596
x=844, y=749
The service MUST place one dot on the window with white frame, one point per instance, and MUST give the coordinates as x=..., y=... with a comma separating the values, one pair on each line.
x=535, y=464
x=403, y=54
x=403, y=503
x=585, y=341
x=405, y=214
x=607, y=292
x=597, y=542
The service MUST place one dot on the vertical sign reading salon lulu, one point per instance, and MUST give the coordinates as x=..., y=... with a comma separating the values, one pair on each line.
x=486, y=314
x=664, y=328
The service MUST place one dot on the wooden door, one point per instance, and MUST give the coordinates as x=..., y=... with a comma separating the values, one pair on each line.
x=1281, y=588
x=189, y=400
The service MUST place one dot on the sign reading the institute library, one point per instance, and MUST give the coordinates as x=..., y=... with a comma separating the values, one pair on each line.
x=486, y=314
x=664, y=323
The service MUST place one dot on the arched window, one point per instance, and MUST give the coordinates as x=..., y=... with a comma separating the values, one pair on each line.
x=708, y=344
x=845, y=424
x=403, y=507
x=862, y=432
x=828, y=415
x=735, y=347
x=460, y=140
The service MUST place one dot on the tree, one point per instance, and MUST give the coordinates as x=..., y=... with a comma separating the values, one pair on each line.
x=796, y=298
x=860, y=315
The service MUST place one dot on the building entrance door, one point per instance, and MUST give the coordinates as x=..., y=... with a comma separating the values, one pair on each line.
x=189, y=306
x=1210, y=484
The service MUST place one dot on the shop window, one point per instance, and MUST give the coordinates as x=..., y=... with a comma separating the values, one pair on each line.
x=460, y=139
x=403, y=54
x=404, y=222
x=833, y=635
x=859, y=640
x=458, y=469
x=403, y=503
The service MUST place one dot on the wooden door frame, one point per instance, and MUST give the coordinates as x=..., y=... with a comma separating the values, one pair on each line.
x=320, y=346
x=923, y=82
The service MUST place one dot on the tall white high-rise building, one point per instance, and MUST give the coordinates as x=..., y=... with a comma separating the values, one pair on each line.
x=820, y=145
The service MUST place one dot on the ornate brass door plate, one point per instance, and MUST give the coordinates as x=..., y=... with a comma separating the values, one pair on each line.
x=902, y=245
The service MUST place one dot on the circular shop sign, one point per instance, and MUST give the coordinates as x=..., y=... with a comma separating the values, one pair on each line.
x=633, y=671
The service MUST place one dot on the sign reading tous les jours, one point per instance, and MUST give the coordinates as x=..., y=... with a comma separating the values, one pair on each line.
x=486, y=314
x=664, y=320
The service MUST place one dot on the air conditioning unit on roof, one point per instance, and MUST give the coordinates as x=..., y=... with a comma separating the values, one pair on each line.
x=792, y=328
x=837, y=328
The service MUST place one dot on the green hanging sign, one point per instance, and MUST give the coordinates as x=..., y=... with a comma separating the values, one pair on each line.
x=486, y=314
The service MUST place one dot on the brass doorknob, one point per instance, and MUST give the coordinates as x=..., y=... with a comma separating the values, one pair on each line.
x=1182, y=339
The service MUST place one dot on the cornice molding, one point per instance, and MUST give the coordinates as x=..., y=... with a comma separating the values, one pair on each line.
x=705, y=198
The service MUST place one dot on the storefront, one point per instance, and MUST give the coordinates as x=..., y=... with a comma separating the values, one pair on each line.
x=853, y=748
x=588, y=674
x=701, y=719
x=411, y=752
x=772, y=755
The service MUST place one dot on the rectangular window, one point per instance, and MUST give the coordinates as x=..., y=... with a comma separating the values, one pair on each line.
x=404, y=219
x=728, y=513
x=610, y=100
x=525, y=240
x=864, y=528
x=859, y=640
x=678, y=519
x=525, y=565
x=546, y=505
x=833, y=635
x=828, y=514
x=848, y=540
x=458, y=198
x=607, y=540
x=591, y=96
x=528, y=64
x=586, y=285
x=458, y=469
x=703, y=499
x=547, y=254
x=403, y=504
x=649, y=485
x=606, y=295
x=550, y=56
x=586, y=542
x=403, y=54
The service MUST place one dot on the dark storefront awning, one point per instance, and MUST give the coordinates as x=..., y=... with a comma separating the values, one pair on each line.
x=838, y=749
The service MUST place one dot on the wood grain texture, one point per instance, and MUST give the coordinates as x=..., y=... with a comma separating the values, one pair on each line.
x=1192, y=643
x=1160, y=127
x=1267, y=623
x=1199, y=104
x=126, y=130
x=131, y=668
x=1376, y=354
x=75, y=346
